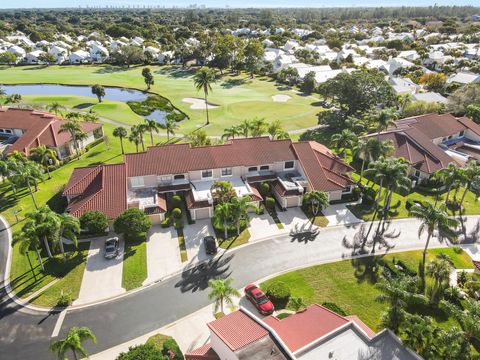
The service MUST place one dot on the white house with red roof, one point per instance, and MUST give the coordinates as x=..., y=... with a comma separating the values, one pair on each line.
x=23, y=129
x=292, y=168
x=312, y=334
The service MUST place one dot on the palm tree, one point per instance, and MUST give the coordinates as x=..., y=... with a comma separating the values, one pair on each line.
x=74, y=128
x=318, y=200
x=28, y=239
x=46, y=224
x=344, y=140
x=275, y=130
x=26, y=174
x=450, y=176
x=55, y=107
x=360, y=151
x=141, y=129
x=471, y=173
x=433, y=218
x=151, y=126
x=222, y=292
x=396, y=180
x=421, y=335
x=120, y=132
x=69, y=228
x=203, y=80
x=223, y=212
x=398, y=294
x=439, y=270
x=244, y=127
x=378, y=169
x=257, y=127
x=45, y=156
x=4, y=170
x=384, y=119
x=240, y=210
x=170, y=126
x=231, y=132
x=73, y=342
x=135, y=137
x=468, y=317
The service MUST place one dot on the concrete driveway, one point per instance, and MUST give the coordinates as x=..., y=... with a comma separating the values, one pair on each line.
x=193, y=235
x=294, y=219
x=163, y=253
x=339, y=214
x=262, y=226
x=102, y=277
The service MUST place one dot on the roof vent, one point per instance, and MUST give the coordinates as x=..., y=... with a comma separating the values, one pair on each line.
x=330, y=354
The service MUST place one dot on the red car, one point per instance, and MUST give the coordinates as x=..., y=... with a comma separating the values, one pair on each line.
x=259, y=299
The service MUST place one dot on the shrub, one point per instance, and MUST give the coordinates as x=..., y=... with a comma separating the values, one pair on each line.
x=409, y=203
x=473, y=288
x=264, y=188
x=64, y=300
x=95, y=222
x=176, y=201
x=142, y=352
x=279, y=294
x=177, y=213
x=462, y=278
x=368, y=196
x=270, y=203
x=335, y=308
x=296, y=303
x=178, y=224
x=133, y=223
x=172, y=350
x=93, y=144
x=260, y=210
x=165, y=223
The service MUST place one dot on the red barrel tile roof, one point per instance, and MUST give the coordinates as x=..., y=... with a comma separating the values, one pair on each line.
x=202, y=353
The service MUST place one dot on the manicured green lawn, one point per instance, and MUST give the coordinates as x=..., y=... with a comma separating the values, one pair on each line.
x=181, y=245
x=398, y=209
x=134, y=264
x=351, y=284
x=238, y=97
x=234, y=241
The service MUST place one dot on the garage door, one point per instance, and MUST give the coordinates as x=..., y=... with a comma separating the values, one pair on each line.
x=155, y=219
x=292, y=201
x=202, y=213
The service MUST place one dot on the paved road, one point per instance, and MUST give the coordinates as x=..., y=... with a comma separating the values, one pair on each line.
x=26, y=337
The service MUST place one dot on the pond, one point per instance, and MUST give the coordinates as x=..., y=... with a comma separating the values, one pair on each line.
x=111, y=93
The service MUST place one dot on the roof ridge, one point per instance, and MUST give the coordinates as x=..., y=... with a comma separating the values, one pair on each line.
x=83, y=177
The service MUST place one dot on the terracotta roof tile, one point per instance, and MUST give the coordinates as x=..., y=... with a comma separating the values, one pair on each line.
x=434, y=125
x=370, y=333
x=237, y=330
x=202, y=353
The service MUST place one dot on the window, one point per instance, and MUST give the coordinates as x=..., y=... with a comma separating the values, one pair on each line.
x=252, y=169
x=179, y=177
x=137, y=181
x=8, y=131
x=166, y=179
x=206, y=174
x=450, y=137
x=227, y=172
x=462, y=133
x=264, y=167
x=289, y=164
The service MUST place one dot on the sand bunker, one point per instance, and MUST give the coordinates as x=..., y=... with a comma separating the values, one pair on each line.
x=281, y=98
x=198, y=104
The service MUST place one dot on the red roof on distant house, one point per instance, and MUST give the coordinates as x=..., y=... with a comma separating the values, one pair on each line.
x=302, y=328
x=237, y=330
x=39, y=128
x=102, y=188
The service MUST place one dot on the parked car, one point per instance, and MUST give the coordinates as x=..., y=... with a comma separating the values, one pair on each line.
x=210, y=245
x=111, y=248
x=258, y=298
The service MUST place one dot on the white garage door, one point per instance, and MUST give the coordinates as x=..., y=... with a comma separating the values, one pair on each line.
x=292, y=201
x=202, y=213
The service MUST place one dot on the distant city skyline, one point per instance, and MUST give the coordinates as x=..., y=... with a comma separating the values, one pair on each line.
x=225, y=3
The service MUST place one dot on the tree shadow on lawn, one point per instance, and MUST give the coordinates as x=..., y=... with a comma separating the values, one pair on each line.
x=109, y=69
x=231, y=83
x=38, y=67
x=176, y=72
x=196, y=278
x=9, y=201
x=83, y=105
x=58, y=202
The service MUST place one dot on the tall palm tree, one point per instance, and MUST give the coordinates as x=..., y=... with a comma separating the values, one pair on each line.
x=45, y=156
x=170, y=126
x=28, y=239
x=121, y=133
x=396, y=179
x=222, y=292
x=360, y=151
x=223, y=212
x=73, y=342
x=141, y=128
x=421, y=335
x=439, y=270
x=151, y=126
x=69, y=228
x=46, y=224
x=318, y=200
x=258, y=127
x=378, y=170
x=449, y=176
x=203, y=80
x=344, y=140
x=26, y=174
x=74, y=128
x=240, y=210
x=55, y=107
x=384, y=119
x=471, y=173
x=134, y=137
x=432, y=218
x=244, y=127
x=231, y=132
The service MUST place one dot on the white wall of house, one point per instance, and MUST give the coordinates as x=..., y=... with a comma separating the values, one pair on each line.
x=222, y=350
x=469, y=134
x=335, y=195
x=201, y=213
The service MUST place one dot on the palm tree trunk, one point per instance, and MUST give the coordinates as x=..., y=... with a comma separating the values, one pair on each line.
x=40, y=261
x=48, y=172
x=221, y=303
x=206, y=109
x=448, y=193
x=136, y=146
x=14, y=190
x=464, y=194
x=361, y=171
x=31, y=194
x=62, y=250
x=225, y=228
x=47, y=247
x=143, y=143
x=74, y=354
x=151, y=136
x=121, y=145
x=424, y=255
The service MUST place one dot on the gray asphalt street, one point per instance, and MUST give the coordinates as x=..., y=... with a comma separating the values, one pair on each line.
x=24, y=336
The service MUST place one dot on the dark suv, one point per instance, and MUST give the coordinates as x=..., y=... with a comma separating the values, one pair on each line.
x=210, y=245
x=111, y=248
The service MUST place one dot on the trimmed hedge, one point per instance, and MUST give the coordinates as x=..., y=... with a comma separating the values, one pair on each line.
x=279, y=293
x=335, y=308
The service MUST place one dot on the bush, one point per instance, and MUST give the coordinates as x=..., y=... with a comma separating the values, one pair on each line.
x=165, y=223
x=172, y=350
x=142, y=352
x=335, y=308
x=93, y=144
x=296, y=303
x=270, y=203
x=368, y=196
x=177, y=213
x=64, y=300
x=133, y=223
x=264, y=188
x=279, y=294
x=95, y=222
x=178, y=224
x=260, y=210
x=176, y=201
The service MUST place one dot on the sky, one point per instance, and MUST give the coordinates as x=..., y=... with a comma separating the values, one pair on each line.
x=5, y=4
